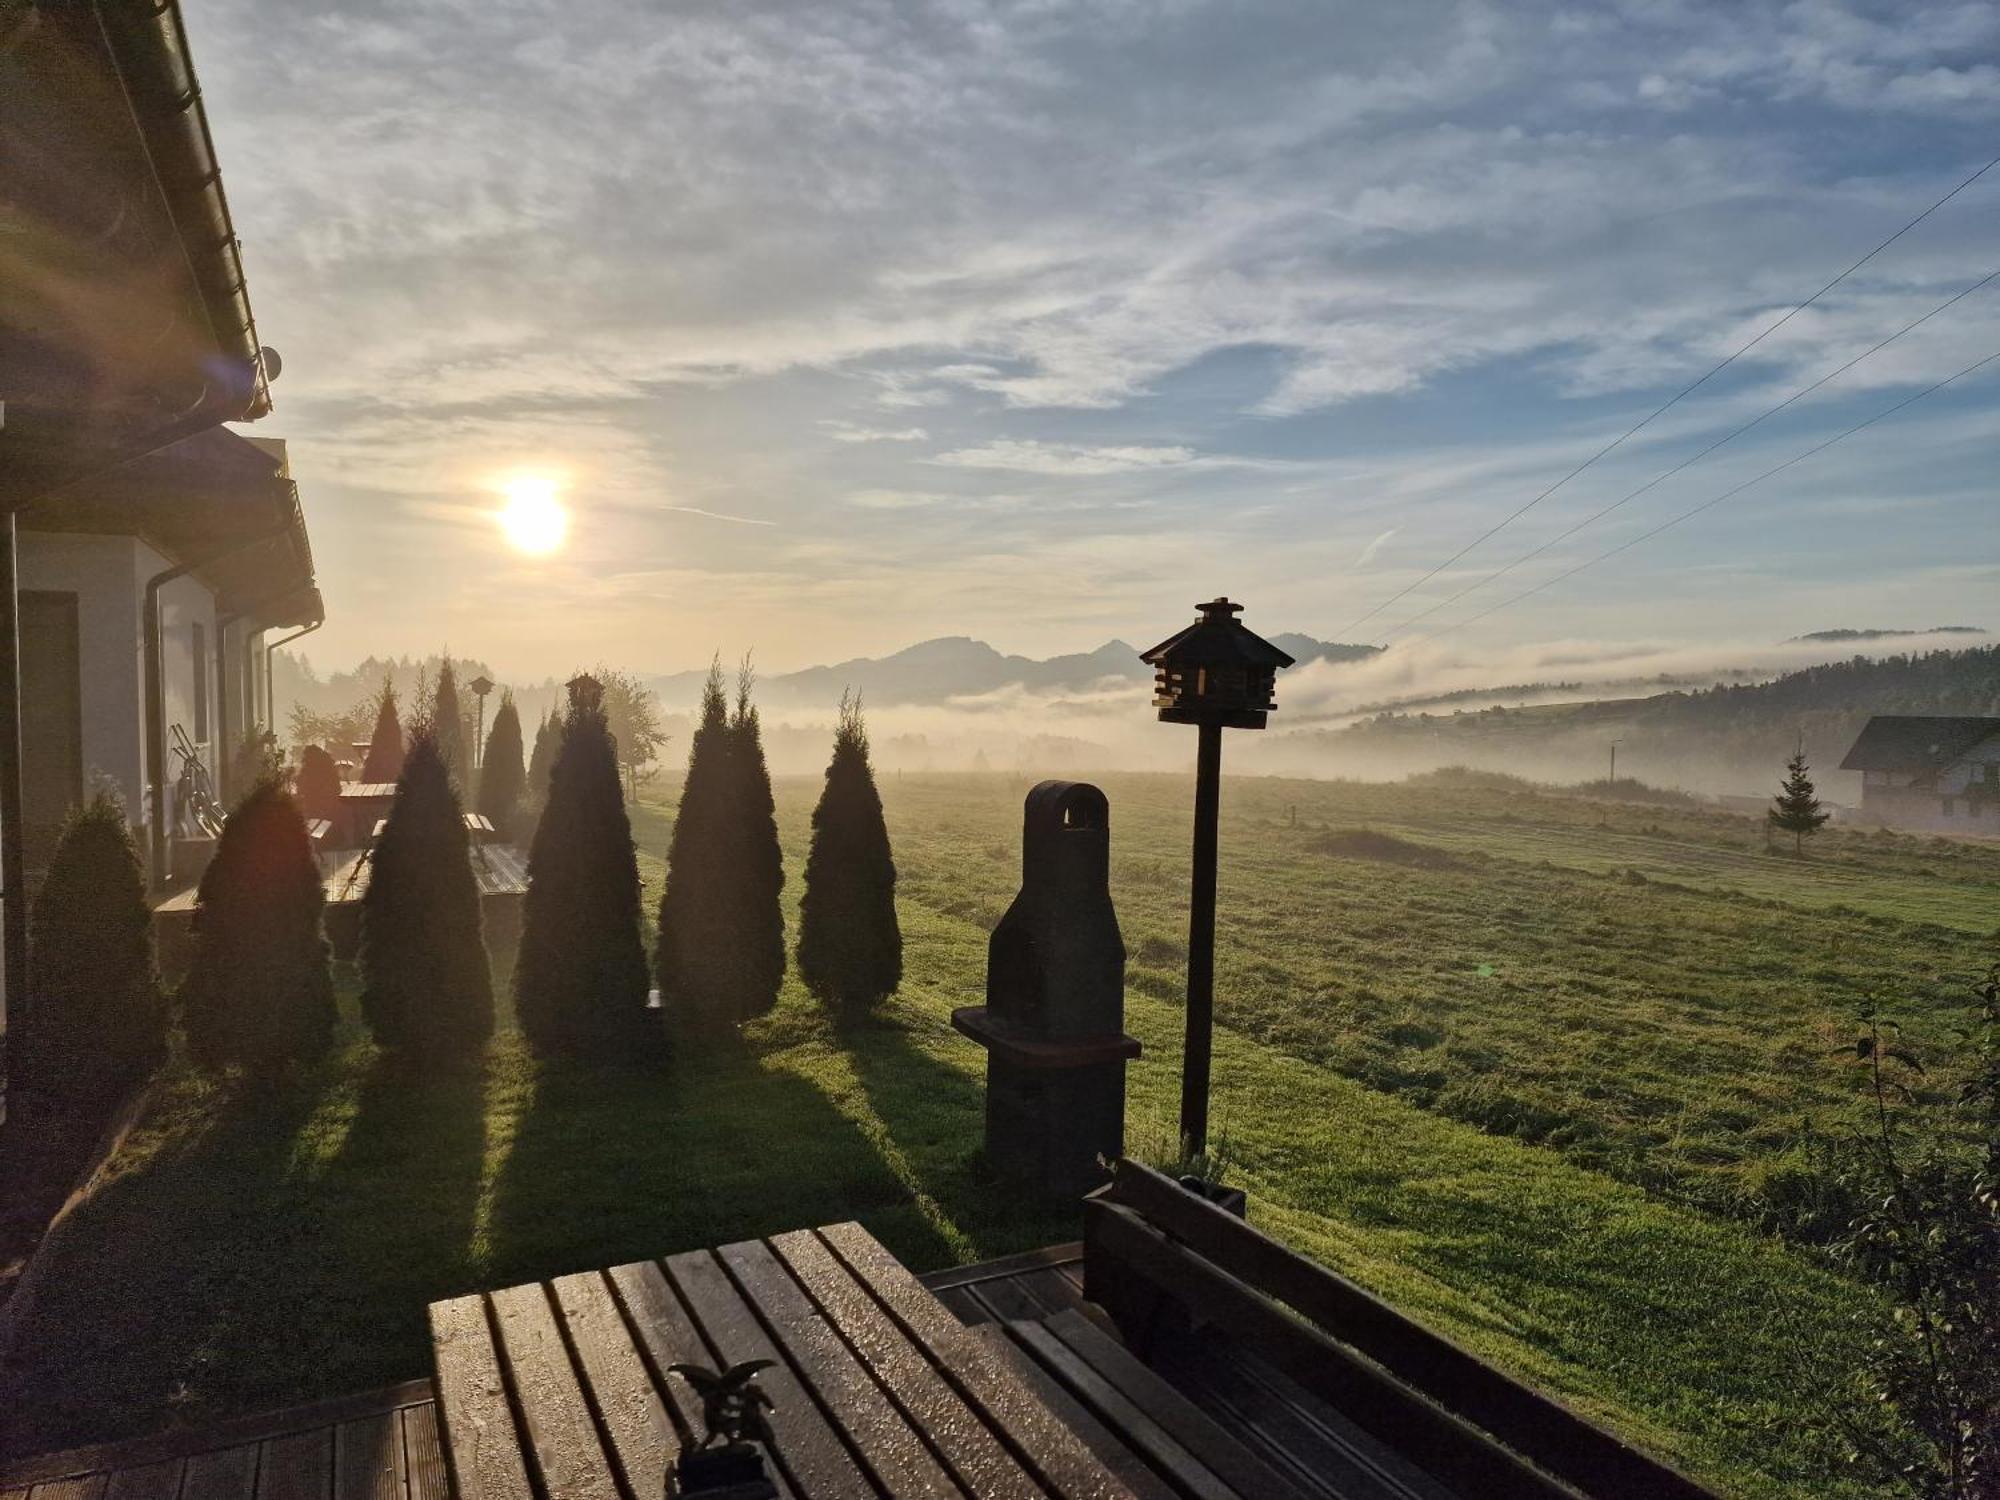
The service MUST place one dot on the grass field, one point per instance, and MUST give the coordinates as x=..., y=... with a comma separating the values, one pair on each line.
x=1479, y=1049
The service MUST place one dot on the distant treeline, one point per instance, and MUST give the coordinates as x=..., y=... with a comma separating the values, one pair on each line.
x=1731, y=738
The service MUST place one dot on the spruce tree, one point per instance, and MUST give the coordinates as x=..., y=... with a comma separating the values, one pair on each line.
x=447, y=726
x=758, y=864
x=850, y=947
x=548, y=741
x=503, y=779
x=1796, y=809
x=695, y=916
x=93, y=1020
x=427, y=989
x=259, y=993
x=385, y=748
x=580, y=979
x=318, y=783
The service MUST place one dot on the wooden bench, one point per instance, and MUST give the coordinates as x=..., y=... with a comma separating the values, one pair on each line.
x=1163, y=1263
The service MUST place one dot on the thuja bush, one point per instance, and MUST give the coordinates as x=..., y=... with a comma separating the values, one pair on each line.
x=259, y=993
x=580, y=977
x=756, y=865
x=696, y=916
x=503, y=778
x=427, y=990
x=385, y=746
x=850, y=947
x=318, y=783
x=93, y=1020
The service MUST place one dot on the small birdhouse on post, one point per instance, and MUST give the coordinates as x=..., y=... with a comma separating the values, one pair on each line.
x=481, y=686
x=1215, y=675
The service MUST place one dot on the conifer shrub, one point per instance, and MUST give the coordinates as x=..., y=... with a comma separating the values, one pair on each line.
x=427, y=989
x=318, y=783
x=93, y=1020
x=757, y=866
x=385, y=748
x=850, y=947
x=548, y=740
x=695, y=915
x=447, y=726
x=580, y=977
x=503, y=778
x=259, y=993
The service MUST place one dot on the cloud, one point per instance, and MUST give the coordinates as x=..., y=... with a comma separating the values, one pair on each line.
x=1027, y=456
x=1368, y=552
x=851, y=432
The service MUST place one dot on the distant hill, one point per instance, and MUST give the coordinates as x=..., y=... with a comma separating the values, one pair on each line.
x=956, y=667
x=1884, y=635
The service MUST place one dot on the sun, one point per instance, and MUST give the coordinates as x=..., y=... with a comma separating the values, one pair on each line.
x=534, y=521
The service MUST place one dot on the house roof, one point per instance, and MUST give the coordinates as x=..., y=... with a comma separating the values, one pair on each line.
x=128, y=313
x=217, y=500
x=1916, y=742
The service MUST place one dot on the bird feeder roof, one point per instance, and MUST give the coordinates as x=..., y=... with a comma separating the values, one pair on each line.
x=1217, y=639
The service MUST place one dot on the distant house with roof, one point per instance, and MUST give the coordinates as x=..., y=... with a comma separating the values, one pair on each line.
x=1937, y=772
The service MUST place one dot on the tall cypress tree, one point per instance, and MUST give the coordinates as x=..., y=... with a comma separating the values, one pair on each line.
x=1796, y=809
x=695, y=926
x=385, y=748
x=428, y=991
x=94, y=1019
x=503, y=779
x=548, y=740
x=758, y=864
x=850, y=946
x=259, y=993
x=580, y=979
x=448, y=726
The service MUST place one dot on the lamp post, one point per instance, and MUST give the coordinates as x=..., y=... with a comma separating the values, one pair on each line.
x=1215, y=675
x=481, y=686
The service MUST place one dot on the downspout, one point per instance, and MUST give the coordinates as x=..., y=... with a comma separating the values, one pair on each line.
x=156, y=706
x=270, y=688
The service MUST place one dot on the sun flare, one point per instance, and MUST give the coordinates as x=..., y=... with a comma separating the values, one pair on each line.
x=534, y=521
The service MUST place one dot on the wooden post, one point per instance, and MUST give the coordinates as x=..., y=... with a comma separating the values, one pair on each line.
x=1201, y=944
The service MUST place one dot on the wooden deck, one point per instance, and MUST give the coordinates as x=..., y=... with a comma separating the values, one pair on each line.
x=379, y=1446
x=1203, y=1418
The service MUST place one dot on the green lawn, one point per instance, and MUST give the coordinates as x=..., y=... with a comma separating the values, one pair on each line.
x=1633, y=1043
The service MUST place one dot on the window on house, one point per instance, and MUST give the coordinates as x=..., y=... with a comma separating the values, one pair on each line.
x=200, y=683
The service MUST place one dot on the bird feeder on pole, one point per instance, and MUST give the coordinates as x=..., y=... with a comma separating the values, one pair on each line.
x=481, y=686
x=1215, y=675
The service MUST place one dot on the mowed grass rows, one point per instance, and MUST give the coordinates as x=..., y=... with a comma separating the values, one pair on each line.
x=249, y=1252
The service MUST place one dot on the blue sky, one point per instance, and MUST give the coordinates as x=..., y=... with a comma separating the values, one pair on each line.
x=844, y=325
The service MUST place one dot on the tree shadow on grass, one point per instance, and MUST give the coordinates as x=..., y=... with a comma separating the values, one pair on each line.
x=935, y=1113
x=131, y=1306
x=609, y=1164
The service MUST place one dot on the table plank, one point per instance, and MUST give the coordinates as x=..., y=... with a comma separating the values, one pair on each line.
x=1116, y=1457
x=552, y=1402
x=1057, y=1457
x=889, y=1446
x=227, y=1474
x=642, y=1434
x=805, y=1445
x=976, y=1456
x=82, y=1487
x=296, y=1467
x=478, y=1427
x=423, y=1457
x=159, y=1481
x=368, y=1458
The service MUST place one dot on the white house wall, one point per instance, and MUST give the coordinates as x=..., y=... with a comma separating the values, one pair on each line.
x=184, y=603
x=98, y=570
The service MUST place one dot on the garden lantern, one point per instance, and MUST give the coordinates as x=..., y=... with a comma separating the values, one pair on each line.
x=1215, y=675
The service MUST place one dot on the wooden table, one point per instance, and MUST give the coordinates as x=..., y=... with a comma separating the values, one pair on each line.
x=560, y=1389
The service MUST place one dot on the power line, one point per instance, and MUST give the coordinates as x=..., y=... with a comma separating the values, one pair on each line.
x=1707, y=504
x=1797, y=395
x=1675, y=400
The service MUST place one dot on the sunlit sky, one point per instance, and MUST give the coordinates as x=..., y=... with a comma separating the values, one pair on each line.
x=836, y=326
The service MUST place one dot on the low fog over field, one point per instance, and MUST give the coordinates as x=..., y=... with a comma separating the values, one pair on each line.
x=1548, y=711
